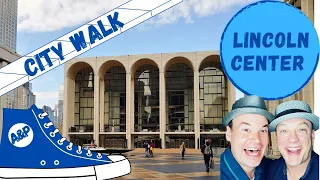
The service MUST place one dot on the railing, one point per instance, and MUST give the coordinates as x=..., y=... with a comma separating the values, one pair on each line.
x=115, y=128
x=181, y=128
x=81, y=129
x=212, y=128
x=146, y=128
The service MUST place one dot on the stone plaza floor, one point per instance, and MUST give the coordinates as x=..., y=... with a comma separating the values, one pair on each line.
x=171, y=166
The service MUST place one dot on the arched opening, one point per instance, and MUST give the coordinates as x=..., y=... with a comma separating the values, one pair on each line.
x=115, y=99
x=84, y=100
x=146, y=99
x=213, y=94
x=179, y=98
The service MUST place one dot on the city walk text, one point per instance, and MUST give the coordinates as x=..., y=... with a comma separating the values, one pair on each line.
x=79, y=41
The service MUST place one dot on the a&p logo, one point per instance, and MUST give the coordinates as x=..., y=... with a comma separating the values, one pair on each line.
x=20, y=135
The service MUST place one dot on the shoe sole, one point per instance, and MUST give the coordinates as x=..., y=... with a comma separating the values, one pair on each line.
x=100, y=172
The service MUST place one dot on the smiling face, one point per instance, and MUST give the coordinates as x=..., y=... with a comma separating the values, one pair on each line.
x=295, y=141
x=249, y=139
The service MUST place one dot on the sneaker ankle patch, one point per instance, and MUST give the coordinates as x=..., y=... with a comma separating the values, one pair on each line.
x=20, y=135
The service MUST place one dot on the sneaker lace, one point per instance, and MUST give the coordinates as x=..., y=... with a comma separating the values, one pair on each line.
x=60, y=141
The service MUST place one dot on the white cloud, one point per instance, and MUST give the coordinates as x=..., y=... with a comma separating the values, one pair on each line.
x=190, y=8
x=46, y=95
x=46, y=98
x=45, y=15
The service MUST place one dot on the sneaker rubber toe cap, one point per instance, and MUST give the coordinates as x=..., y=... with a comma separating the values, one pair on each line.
x=116, y=158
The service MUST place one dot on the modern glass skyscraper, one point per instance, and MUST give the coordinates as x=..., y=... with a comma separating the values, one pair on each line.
x=8, y=23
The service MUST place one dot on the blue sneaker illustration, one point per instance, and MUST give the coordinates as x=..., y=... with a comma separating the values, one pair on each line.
x=32, y=148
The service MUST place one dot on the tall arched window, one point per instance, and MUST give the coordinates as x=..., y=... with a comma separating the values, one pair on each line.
x=146, y=99
x=213, y=97
x=115, y=100
x=179, y=98
x=84, y=100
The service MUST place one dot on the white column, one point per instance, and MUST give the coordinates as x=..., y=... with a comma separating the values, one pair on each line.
x=101, y=106
x=162, y=112
x=68, y=106
x=96, y=109
x=65, y=109
x=129, y=106
x=132, y=110
x=231, y=95
x=196, y=107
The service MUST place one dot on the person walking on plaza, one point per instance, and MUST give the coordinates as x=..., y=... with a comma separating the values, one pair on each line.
x=207, y=154
x=146, y=147
x=182, y=149
x=151, y=148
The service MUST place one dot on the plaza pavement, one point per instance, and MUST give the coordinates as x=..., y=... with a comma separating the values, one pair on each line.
x=167, y=164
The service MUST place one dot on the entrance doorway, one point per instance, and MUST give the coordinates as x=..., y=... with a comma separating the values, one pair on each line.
x=81, y=139
x=113, y=141
x=138, y=140
x=174, y=141
x=217, y=140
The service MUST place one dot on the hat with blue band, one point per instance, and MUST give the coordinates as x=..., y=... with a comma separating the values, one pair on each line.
x=248, y=105
x=294, y=109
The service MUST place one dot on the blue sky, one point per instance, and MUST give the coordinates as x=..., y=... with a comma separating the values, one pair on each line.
x=199, y=29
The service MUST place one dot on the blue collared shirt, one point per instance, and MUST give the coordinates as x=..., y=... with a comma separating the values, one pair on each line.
x=230, y=169
x=278, y=170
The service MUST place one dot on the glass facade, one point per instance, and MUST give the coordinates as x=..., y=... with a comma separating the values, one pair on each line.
x=10, y=99
x=8, y=23
x=82, y=139
x=115, y=100
x=174, y=141
x=179, y=98
x=146, y=99
x=113, y=141
x=217, y=140
x=213, y=97
x=114, y=128
x=84, y=100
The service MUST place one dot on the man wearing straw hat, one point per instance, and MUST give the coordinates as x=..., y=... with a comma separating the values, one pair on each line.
x=247, y=132
x=294, y=126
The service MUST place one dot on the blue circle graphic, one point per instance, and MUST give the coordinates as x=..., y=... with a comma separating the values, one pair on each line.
x=269, y=49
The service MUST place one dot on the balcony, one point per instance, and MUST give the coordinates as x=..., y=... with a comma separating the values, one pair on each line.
x=114, y=128
x=146, y=128
x=180, y=127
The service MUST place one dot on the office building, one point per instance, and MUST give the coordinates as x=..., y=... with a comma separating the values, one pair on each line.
x=6, y=57
x=168, y=98
x=8, y=23
x=50, y=112
x=19, y=98
x=55, y=112
x=60, y=107
x=24, y=96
